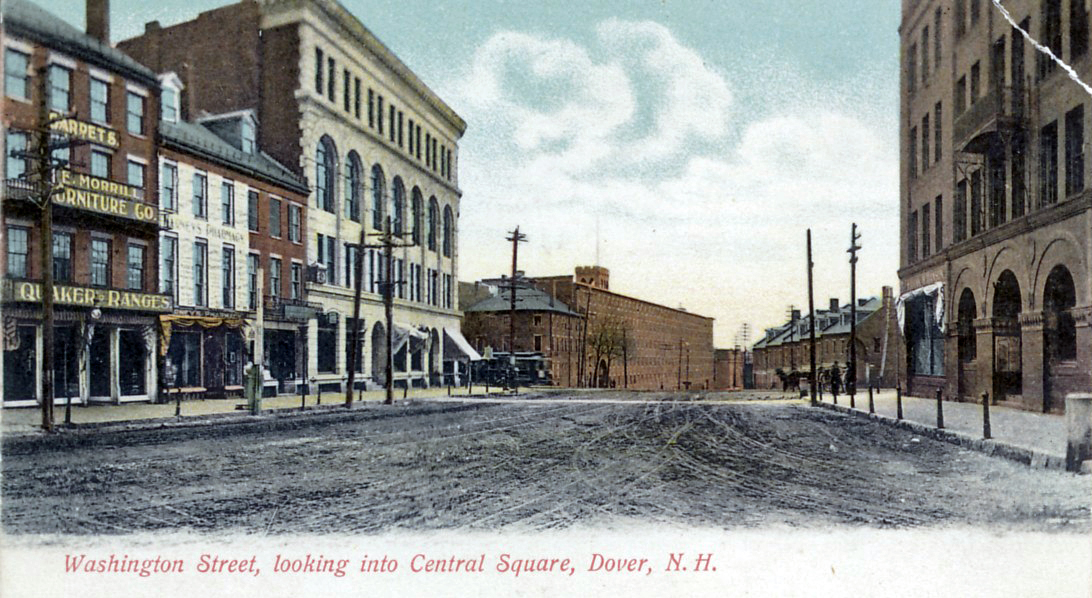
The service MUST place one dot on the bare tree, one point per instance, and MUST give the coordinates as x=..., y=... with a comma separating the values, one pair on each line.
x=606, y=340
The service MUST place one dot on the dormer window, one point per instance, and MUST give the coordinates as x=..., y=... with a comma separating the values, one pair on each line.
x=247, y=136
x=170, y=98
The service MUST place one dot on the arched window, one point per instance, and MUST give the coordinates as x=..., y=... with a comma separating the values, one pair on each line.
x=433, y=222
x=325, y=173
x=353, y=187
x=448, y=224
x=415, y=224
x=968, y=344
x=1059, y=327
x=398, y=199
x=378, y=184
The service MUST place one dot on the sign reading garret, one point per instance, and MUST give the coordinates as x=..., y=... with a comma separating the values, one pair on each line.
x=86, y=192
x=22, y=290
x=82, y=130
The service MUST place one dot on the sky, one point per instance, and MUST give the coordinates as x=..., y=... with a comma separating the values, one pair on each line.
x=686, y=145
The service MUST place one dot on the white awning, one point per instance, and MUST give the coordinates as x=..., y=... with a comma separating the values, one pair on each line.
x=937, y=290
x=459, y=348
x=403, y=333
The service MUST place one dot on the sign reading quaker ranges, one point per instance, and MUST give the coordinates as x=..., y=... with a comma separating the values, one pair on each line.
x=84, y=131
x=87, y=297
x=86, y=192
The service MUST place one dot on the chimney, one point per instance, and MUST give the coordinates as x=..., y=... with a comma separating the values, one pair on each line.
x=833, y=304
x=98, y=20
x=795, y=315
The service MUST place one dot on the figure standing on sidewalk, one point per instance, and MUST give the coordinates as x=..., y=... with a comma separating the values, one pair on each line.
x=835, y=381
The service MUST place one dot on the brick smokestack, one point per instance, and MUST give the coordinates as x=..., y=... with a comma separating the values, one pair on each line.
x=98, y=20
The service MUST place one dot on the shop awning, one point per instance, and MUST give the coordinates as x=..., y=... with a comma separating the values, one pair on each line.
x=458, y=348
x=935, y=290
x=166, y=322
x=403, y=333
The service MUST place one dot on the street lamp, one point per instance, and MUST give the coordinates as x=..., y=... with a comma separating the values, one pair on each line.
x=90, y=319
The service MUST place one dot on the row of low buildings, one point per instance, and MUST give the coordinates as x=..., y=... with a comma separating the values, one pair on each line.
x=783, y=353
x=995, y=203
x=210, y=209
x=592, y=336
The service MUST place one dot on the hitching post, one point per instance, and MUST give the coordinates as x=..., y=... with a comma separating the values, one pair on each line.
x=940, y=411
x=871, y=401
x=986, y=416
x=898, y=402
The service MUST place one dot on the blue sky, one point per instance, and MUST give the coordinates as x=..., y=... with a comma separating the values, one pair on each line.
x=700, y=138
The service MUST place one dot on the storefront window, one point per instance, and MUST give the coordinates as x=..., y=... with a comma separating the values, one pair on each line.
x=21, y=366
x=132, y=363
x=327, y=344
x=923, y=335
x=185, y=356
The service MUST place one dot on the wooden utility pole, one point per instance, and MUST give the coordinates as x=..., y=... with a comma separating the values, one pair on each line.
x=516, y=238
x=851, y=378
x=814, y=378
x=354, y=334
x=387, y=243
x=44, y=188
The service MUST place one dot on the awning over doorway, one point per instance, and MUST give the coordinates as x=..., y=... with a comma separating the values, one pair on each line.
x=936, y=290
x=403, y=333
x=165, y=323
x=458, y=348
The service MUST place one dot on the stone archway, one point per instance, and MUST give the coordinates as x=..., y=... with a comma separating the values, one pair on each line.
x=1059, y=337
x=1007, y=341
x=967, y=343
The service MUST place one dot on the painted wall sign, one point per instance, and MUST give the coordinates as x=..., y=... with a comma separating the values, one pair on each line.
x=86, y=296
x=83, y=130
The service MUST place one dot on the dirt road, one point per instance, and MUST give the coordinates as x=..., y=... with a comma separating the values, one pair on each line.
x=527, y=465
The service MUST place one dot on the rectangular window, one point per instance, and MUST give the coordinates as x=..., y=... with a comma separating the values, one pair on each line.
x=62, y=257
x=327, y=344
x=200, y=195
x=937, y=141
x=252, y=210
x=331, y=260
x=976, y=202
x=16, y=74
x=350, y=264
x=134, y=113
x=297, y=281
x=200, y=273
x=1048, y=164
x=1019, y=173
x=924, y=337
x=100, y=101
x=960, y=17
x=449, y=164
x=961, y=95
x=295, y=217
x=168, y=181
x=100, y=164
x=100, y=262
x=936, y=38
x=997, y=192
x=924, y=142
x=60, y=89
x=400, y=128
x=168, y=257
x=330, y=82
x=227, y=277
x=1078, y=29
x=18, y=251
x=252, y=280
x=135, y=174
x=976, y=11
x=938, y=215
x=913, y=152
x=346, y=88
x=912, y=238
x=1074, y=151
x=911, y=68
x=371, y=107
x=926, y=231
x=975, y=76
x=418, y=142
x=959, y=213
x=134, y=278
x=924, y=54
x=428, y=146
x=356, y=97
x=393, y=132
x=227, y=202
x=274, y=217
x=1051, y=35
x=16, y=163
x=275, y=276
x=410, y=140
x=379, y=114
x=168, y=104
x=319, y=60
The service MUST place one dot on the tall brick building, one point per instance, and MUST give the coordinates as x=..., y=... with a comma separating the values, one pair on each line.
x=105, y=221
x=624, y=342
x=375, y=145
x=995, y=200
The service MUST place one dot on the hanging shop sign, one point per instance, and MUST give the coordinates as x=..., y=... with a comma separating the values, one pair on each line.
x=83, y=130
x=85, y=192
x=89, y=297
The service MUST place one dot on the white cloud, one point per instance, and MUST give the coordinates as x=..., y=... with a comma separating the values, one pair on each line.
x=700, y=202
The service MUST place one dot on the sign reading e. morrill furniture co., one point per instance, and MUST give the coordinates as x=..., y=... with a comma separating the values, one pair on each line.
x=86, y=192
x=88, y=297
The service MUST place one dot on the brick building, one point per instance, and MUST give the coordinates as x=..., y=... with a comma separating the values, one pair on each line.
x=728, y=369
x=376, y=146
x=544, y=325
x=105, y=220
x=786, y=349
x=995, y=201
x=232, y=212
x=627, y=342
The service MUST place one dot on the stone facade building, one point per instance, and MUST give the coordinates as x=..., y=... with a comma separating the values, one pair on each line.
x=377, y=147
x=995, y=201
x=105, y=219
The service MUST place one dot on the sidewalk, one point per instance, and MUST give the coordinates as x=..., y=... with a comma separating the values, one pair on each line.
x=29, y=419
x=1038, y=439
